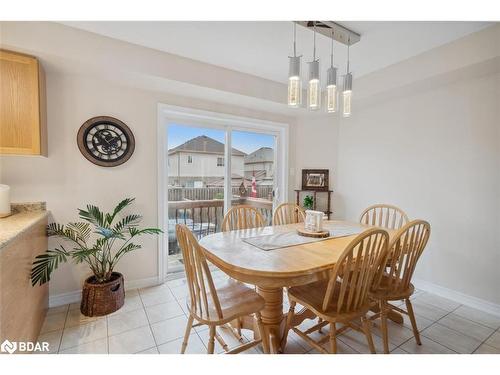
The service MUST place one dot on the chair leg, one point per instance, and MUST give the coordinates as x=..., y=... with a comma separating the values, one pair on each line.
x=383, y=321
x=260, y=326
x=211, y=340
x=409, y=307
x=333, y=338
x=288, y=325
x=189, y=325
x=368, y=333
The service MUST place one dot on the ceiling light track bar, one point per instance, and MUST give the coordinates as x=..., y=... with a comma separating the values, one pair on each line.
x=340, y=33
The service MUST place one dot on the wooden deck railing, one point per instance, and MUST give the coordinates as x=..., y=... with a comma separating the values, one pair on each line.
x=204, y=217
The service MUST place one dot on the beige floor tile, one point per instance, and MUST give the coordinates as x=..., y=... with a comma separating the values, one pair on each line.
x=132, y=303
x=163, y=311
x=494, y=340
x=76, y=318
x=150, y=351
x=397, y=333
x=487, y=349
x=126, y=321
x=133, y=341
x=53, y=338
x=422, y=323
x=180, y=292
x=176, y=282
x=168, y=330
x=399, y=351
x=153, y=289
x=358, y=342
x=466, y=326
x=157, y=297
x=428, y=347
x=53, y=322
x=437, y=301
x=95, y=347
x=131, y=293
x=478, y=316
x=58, y=309
x=342, y=348
x=451, y=339
x=429, y=312
x=195, y=346
x=83, y=334
x=75, y=305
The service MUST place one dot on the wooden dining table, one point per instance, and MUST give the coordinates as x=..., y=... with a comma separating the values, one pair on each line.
x=273, y=270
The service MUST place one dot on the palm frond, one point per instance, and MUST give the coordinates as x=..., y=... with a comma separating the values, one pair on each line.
x=127, y=222
x=82, y=230
x=138, y=232
x=46, y=263
x=119, y=207
x=93, y=215
x=82, y=255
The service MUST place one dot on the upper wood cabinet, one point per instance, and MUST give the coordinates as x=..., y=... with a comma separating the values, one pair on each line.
x=22, y=105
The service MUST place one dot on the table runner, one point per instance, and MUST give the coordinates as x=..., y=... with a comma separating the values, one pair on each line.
x=292, y=238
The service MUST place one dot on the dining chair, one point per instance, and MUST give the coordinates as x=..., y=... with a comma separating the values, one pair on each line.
x=385, y=216
x=343, y=297
x=242, y=217
x=288, y=213
x=213, y=306
x=394, y=283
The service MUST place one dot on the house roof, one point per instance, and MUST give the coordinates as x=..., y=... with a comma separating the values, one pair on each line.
x=263, y=154
x=204, y=144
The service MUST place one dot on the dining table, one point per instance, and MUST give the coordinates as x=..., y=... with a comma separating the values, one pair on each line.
x=274, y=258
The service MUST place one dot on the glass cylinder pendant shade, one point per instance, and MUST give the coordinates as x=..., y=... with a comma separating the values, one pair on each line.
x=314, y=89
x=331, y=90
x=294, y=82
x=347, y=95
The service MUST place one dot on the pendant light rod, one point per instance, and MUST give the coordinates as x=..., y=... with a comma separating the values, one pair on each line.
x=348, y=45
x=294, y=39
x=342, y=34
x=314, y=42
x=331, y=53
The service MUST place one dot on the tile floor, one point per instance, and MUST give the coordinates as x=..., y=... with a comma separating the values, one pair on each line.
x=153, y=320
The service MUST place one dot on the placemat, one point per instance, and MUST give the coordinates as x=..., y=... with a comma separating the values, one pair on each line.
x=291, y=238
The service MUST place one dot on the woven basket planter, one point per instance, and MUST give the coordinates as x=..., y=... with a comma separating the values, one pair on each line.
x=102, y=299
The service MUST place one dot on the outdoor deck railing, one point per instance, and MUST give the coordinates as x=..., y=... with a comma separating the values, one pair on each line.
x=204, y=217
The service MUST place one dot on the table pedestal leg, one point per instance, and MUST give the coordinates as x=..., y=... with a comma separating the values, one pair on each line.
x=272, y=317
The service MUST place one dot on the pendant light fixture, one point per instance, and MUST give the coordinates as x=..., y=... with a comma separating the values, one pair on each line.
x=331, y=85
x=314, y=88
x=294, y=81
x=347, y=92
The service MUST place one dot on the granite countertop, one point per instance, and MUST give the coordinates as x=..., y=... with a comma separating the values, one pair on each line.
x=24, y=216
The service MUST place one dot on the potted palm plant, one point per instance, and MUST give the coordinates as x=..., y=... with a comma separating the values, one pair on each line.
x=100, y=240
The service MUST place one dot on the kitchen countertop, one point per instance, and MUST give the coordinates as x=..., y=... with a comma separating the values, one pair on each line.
x=24, y=216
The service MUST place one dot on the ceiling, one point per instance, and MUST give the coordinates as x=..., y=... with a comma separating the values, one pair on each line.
x=261, y=48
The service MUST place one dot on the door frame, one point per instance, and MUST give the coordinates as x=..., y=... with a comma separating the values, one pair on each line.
x=215, y=120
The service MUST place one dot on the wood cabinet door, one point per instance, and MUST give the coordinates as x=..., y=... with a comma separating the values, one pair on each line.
x=20, y=120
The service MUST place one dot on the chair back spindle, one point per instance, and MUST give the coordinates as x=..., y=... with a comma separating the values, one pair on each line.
x=242, y=217
x=353, y=274
x=288, y=213
x=404, y=251
x=385, y=216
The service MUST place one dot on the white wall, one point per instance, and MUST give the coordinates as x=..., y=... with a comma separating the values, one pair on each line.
x=436, y=154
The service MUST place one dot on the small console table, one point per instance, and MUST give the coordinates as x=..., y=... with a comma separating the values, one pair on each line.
x=328, y=211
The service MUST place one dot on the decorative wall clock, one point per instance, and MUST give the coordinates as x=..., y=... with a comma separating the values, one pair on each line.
x=106, y=141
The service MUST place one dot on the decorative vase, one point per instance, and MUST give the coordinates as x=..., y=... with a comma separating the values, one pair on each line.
x=102, y=299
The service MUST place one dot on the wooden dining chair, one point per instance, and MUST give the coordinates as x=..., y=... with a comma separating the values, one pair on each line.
x=242, y=217
x=385, y=216
x=288, y=213
x=394, y=283
x=343, y=298
x=214, y=306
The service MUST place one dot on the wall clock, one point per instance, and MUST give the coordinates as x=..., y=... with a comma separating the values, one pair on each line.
x=106, y=141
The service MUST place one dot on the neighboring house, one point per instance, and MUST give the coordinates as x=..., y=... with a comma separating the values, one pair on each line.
x=199, y=161
x=260, y=164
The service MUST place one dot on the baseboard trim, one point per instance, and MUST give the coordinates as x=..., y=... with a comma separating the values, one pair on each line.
x=464, y=299
x=75, y=296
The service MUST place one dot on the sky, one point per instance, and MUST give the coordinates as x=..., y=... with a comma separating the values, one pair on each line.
x=243, y=141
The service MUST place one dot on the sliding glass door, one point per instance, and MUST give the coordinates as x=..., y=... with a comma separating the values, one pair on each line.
x=211, y=168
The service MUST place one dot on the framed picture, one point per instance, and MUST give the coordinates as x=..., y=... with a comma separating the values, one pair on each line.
x=315, y=179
